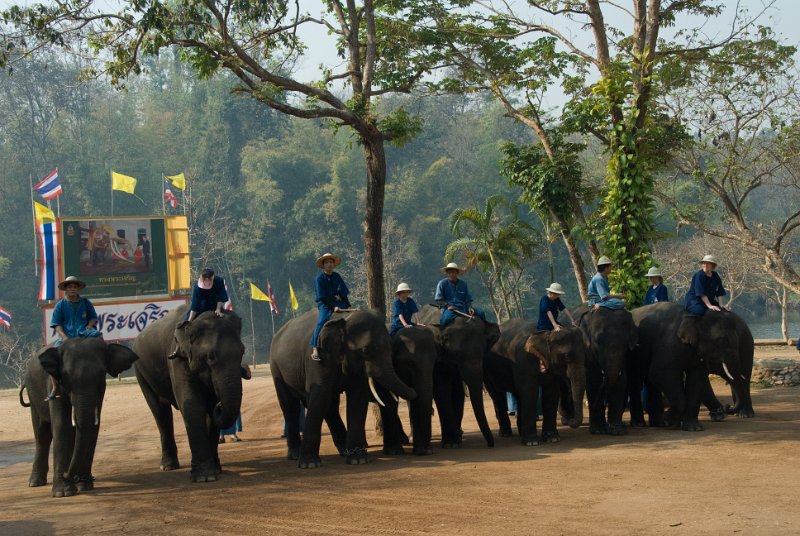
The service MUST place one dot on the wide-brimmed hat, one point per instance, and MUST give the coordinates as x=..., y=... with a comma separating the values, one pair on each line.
x=654, y=272
x=709, y=258
x=322, y=259
x=603, y=260
x=555, y=288
x=403, y=287
x=71, y=279
x=451, y=266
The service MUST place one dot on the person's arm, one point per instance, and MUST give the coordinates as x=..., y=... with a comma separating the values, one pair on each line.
x=91, y=314
x=553, y=322
x=570, y=317
x=195, y=303
x=58, y=320
x=440, y=297
x=468, y=296
x=708, y=303
x=222, y=295
x=60, y=332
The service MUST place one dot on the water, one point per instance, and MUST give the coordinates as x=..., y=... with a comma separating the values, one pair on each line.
x=771, y=329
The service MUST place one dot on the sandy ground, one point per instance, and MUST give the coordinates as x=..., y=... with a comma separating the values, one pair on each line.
x=739, y=476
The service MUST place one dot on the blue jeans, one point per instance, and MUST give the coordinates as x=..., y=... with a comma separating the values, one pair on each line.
x=301, y=419
x=511, y=402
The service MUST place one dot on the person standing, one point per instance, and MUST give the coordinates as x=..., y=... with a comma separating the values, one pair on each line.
x=331, y=296
x=657, y=291
x=145, y=243
x=599, y=291
x=453, y=296
x=704, y=290
x=237, y=426
x=403, y=309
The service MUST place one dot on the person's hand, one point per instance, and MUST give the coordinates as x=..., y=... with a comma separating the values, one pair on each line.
x=409, y=326
x=451, y=308
x=595, y=307
x=425, y=325
x=337, y=310
x=218, y=312
x=471, y=311
x=714, y=308
x=556, y=328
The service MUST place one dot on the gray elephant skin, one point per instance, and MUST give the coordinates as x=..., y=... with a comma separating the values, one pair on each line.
x=70, y=422
x=511, y=366
x=680, y=369
x=356, y=349
x=414, y=355
x=612, y=339
x=462, y=344
x=203, y=382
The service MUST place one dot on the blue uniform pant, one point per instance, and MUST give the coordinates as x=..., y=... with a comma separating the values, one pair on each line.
x=448, y=316
x=324, y=314
x=86, y=333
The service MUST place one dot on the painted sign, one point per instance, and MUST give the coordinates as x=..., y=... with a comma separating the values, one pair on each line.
x=117, y=257
x=121, y=321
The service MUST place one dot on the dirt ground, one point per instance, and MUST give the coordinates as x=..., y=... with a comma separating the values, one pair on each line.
x=738, y=476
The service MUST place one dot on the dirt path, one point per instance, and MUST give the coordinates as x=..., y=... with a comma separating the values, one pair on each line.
x=739, y=476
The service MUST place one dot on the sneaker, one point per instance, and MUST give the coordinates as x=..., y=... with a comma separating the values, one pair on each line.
x=315, y=355
x=221, y=439
x=236, y=438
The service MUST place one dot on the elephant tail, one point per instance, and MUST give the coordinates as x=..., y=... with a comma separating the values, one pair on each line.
x=22, y=400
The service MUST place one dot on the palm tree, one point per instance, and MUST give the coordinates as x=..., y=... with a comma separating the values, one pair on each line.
x=493, y=242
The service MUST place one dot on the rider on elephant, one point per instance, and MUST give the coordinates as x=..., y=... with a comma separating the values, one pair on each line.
x=706, y=287
x=657, y=291
x=208, y=294
x=404, y=309
x=331, y=292
x=73, y=317
x=453, y=296
x=599, y=292
x=549, y=307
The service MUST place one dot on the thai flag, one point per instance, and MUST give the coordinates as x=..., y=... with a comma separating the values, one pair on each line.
x=49, y=187
x=169, y=197
x=228, y=305
x=5, y=318
x=272, y=305
x=48, y=238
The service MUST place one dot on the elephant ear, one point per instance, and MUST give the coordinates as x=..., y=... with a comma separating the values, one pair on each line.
x=688, y=330
x=331, y=337
x=50, y=358
x=633, y=337
x=183, y=334
x=536, y=345
x=492, y=334
x=235, y=322
x=119, y=358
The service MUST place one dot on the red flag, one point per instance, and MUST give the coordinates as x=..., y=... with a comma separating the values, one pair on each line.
x=272, y=305
x=228, y=306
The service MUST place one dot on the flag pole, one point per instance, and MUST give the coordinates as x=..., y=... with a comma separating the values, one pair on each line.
x=253, y=329
x=35, y=233
x=112, y=194
x=163, y=189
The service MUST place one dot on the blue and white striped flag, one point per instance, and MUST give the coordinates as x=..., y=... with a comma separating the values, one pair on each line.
x=49, y=188
x=48, y=238
x=5, y=318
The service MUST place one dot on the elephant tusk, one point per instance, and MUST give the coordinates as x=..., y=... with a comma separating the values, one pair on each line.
x=96, y=416
x=374, y=392
x=74, y=422
x=396, y=399
x=727, y=372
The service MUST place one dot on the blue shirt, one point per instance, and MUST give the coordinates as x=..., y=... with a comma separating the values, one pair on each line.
x=73, y=319
x=703, y=285
x=598, y=288
x=207, y=299
x=456, y=294
x=656, y=294
x=406, y=309
x=554, y=306
x=331, y=291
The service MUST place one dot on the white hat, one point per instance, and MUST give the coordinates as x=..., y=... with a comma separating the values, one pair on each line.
x=555, y=288
x=709, y=258
x=403, y=287
x=603, y=260
x=451, y=266
x=323, y=258
x=71, y=279
x=654, y=272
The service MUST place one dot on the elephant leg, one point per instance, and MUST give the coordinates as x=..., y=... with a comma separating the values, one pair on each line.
x=392, y=427
x=420, y=412
x=527, y=400
x=594, y=387
x=695, y=378
x=670, y=382
x=550, y=395
x=335, y=424
x=459, y=395
x=566, y=408
x=291, y=406
x=615, y=399
x=357, y=406
x=716, y=411
x=196, y=420
x=655, y=404
x=319, y=400
x=500, y=403
x=63, y=446
x=442, y=394
x=43, y=437
x=162, y=412
x=634, y=392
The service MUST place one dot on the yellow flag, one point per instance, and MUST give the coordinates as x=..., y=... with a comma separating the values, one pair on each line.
x=256, y=294
x=43, y=214
x=295, y=305
x=122, y=182
x=178, y=181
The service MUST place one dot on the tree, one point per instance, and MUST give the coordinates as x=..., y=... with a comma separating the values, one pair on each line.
x=495, y=245
x=258, y=42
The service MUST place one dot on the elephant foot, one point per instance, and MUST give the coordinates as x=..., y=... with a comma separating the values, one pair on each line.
x=638, y=423
x=293, y=454
x=551, y=437
x=309, y=462
x=565, y=421
x=37, y=480
x=595, y=429
x=746, y=413
x=717, y=415
x=169, y=463
x=423, y=451
x=205, y=474
x=394, y=451
x=692, y=426
x=657, y=423
x=84, y=483
x=63, y=488
x=530, y=442
x=617, y=429
x=505, y=432
x=357, y=456
x=451, y=444
x=406, y=440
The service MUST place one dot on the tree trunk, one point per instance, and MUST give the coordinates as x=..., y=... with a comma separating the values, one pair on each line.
x=785, y=315
x=375, y=157
x=574, y=255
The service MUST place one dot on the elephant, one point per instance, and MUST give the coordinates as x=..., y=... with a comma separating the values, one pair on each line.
x=203, y=381
x=462, y=346
x=676, y=362
x=513, y=365
x=612, y=338
x=72, y=420
x=414, y=354
x=358, y=351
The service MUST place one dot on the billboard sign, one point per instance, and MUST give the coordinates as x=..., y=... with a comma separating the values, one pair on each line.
x=117, y=257
x=121, y=321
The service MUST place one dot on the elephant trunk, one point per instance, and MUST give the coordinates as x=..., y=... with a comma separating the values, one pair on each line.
x=577, y=376
x=230, y=402
x=474, y=381
x=86, y=412
x=387, y=377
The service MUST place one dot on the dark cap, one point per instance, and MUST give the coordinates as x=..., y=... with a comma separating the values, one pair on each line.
x=208, y=272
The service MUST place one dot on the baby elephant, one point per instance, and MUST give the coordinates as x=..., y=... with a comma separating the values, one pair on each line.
x=71, y=420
